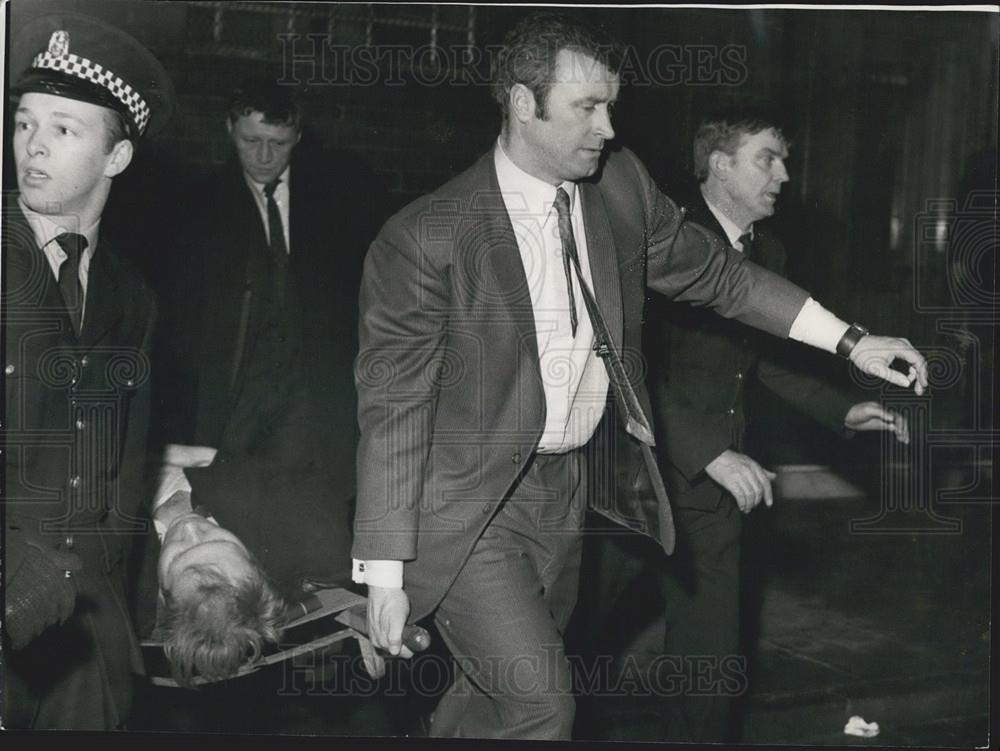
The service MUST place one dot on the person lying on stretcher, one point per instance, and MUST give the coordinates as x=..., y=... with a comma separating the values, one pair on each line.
x=240, y=546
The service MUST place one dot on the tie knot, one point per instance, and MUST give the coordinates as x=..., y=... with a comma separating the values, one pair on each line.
x=73, y=245
x=562, y=202
x=745, y=240
x=271, y=187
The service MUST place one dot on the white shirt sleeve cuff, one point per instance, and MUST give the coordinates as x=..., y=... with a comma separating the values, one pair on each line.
x=387, y=574
x=817, y=327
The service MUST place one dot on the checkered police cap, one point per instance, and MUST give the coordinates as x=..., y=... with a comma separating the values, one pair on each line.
x=79, y=57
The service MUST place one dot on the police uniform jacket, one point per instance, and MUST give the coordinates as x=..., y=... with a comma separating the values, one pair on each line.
x=75, y=428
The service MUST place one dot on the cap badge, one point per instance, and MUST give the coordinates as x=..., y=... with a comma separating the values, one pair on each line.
x=59, y=43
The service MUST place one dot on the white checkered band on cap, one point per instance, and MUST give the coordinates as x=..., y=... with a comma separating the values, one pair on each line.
x=88, y=70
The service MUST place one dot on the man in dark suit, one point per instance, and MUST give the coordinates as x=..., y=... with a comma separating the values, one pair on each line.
x=699, y=368
x=78, y=329
x=487, y=308
x=262, y=319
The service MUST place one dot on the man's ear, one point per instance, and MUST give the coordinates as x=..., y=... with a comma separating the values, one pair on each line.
x=522, y=103
x=120, y=158
x=719, y=163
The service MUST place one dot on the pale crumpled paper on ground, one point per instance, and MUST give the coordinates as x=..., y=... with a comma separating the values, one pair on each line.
x=857, y=726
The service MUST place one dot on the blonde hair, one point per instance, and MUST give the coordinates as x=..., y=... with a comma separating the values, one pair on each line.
x=222, y=627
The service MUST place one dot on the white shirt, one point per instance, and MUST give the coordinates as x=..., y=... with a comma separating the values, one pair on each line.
x=46, y=228
x=282, y=197
x=171, y=478
x=574, y=379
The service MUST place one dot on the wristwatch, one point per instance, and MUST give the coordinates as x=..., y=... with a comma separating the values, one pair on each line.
x=850, y=339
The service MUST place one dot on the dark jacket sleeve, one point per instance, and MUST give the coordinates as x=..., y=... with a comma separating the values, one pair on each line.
x=812, y=395
x=690, y=438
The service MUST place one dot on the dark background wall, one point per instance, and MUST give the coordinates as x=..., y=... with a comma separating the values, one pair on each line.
x=893, y=118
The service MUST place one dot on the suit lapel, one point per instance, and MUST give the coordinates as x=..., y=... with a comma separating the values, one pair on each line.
x=701, y=214
x=603, y=257
x=104, y=304
x=495, y=234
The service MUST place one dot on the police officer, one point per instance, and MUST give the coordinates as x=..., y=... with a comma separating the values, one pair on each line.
x=78, y=323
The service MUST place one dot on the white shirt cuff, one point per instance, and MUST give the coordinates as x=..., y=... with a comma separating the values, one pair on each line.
x=817, y=327
x=387, y=574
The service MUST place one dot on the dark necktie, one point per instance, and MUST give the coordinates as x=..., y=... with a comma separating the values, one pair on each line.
x=636, y=422
x=73, y=246
x=746, y=241
x=275, y=229
x=569, y=250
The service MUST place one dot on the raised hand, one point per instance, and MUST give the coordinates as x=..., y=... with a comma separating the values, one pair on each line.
x=873, y=416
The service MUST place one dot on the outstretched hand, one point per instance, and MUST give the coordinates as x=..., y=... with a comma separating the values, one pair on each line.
x=873, y=416
x=874, y=354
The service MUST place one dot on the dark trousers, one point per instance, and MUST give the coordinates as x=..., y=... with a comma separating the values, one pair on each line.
x=702, y=592
x=701, y=668
x=503, y=619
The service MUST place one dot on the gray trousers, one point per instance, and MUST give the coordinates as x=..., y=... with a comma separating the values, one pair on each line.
x=503, y=619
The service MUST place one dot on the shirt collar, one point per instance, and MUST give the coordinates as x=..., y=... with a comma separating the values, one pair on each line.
x=46, y=228
x=259, y=187
x=733, y=233
x=525, y=194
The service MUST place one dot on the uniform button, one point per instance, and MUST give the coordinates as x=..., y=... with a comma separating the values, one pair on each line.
x=130, y=382
x=74, y=481
x=516, y=458
x=9, y=370
x=739, y=376
x=80, y=424
x=69, y=541
x=732, y=411
x=84, y=361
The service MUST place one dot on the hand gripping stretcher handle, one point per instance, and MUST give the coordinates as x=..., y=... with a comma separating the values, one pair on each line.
x=356, y=617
